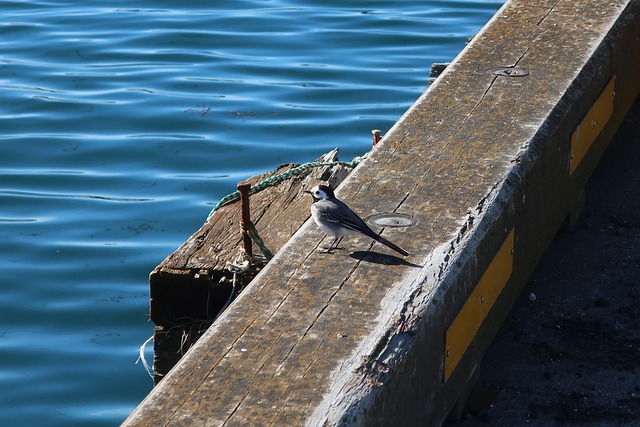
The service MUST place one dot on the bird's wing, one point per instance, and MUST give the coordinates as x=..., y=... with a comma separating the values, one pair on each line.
x=341, y=215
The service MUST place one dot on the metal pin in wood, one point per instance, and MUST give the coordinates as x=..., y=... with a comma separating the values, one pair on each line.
x=376, y=136
x=243, y=188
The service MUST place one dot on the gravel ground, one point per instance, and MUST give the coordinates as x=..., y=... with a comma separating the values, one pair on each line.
x=569, y=352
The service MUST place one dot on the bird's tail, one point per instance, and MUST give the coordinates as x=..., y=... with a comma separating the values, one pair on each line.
x=391, y=245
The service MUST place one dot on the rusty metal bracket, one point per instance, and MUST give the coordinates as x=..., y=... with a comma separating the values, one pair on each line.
x=243, y=188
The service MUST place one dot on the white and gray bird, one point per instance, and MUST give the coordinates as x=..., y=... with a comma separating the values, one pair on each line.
x=337, y=220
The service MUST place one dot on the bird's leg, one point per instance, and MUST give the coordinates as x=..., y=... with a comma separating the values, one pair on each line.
x=334, y=244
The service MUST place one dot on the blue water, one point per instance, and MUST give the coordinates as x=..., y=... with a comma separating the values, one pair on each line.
x=122, y=123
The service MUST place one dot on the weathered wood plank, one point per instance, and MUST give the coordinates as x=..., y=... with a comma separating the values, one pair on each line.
x=191, y=286
x=277, y=211
x=358, y=337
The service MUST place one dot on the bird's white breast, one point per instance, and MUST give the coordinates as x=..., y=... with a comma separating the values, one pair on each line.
x=321, y=225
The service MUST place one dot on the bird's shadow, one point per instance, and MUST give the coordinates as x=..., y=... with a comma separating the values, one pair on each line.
x=380, y=258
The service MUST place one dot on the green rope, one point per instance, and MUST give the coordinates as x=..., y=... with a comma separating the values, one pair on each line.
x=277, y=179
x=251, y=231
x=250, y=228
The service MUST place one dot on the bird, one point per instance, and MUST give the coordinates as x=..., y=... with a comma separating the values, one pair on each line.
x=337, y=220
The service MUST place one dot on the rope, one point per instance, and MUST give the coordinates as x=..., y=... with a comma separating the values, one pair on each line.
x=231, y=295
x=251, y=231
x=143, y=359
x=277, y=179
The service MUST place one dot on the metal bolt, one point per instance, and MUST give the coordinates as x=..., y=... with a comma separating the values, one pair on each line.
x=509, y=71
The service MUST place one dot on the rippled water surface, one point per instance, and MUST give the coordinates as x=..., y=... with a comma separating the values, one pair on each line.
x=122, y=123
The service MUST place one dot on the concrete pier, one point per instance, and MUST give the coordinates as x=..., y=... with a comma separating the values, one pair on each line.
x=490, y=161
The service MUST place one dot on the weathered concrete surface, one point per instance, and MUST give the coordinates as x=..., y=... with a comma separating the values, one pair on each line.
x=359, y=337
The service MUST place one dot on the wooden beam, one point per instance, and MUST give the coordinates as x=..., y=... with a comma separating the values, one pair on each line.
x=358, y=337
x=192, y=285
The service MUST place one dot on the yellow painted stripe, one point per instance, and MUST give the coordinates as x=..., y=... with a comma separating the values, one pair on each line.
x=592, y=124
x=466, y=324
